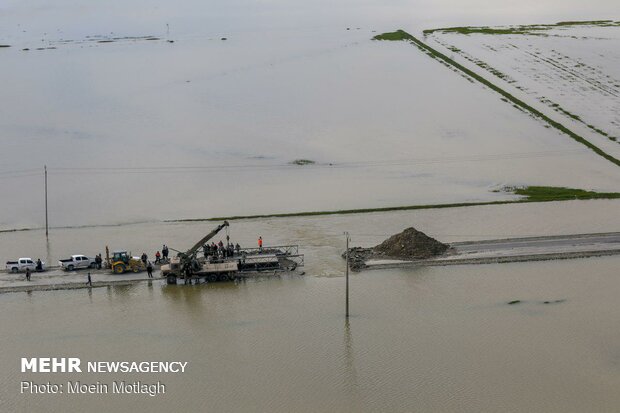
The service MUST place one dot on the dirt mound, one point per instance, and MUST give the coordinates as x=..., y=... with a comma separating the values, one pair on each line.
x=410, y=244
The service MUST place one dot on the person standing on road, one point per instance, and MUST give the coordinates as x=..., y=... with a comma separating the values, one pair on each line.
x=157, y=257
x=260, y=244
x=27, y=273
x=164, y=252
x=90, y=281
x=149, y=269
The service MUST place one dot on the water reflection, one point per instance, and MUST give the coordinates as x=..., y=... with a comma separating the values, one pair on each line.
x=350, y=372
x=123, y=294
x=186, y=299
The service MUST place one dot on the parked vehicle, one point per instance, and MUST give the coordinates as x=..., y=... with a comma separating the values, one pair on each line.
x=23, y=263
x=77, y=261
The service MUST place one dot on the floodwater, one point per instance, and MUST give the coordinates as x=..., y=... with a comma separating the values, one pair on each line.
x=139, y=130
x=136, y=129
x=321, y=237
x=425, y=339
x=430, y=339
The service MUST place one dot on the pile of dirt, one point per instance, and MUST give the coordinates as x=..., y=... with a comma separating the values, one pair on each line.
x=410, y=244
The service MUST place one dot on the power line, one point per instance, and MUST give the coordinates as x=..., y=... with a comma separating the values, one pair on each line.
x=20, y=175
x=175, y=169
x=20, y=171
x=339, y=165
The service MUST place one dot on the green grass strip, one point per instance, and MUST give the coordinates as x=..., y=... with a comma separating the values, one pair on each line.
x=531, y=194
x=402, y=35
x=551, y=193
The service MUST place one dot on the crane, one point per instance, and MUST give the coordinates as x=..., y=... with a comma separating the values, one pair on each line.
x=190, y=254
x=186, y=259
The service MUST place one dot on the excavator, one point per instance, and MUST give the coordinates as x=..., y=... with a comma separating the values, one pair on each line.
x=122, y=261
x=187, y=262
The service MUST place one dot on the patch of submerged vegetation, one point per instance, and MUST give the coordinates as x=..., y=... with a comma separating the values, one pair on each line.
x=588, y=23
x=531, y=29
x=562, y=300
x=394, y=36
x=302, y=162
x=529, y=193
x=482, y=30
x=559, y=109
x=552, y=193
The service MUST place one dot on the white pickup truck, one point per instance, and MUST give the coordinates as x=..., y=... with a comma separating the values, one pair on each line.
x=23, y=263
x=77, y=261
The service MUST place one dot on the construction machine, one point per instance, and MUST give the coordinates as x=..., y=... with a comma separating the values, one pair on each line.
x=187, y=262
x=241, y=263
x=121, y=262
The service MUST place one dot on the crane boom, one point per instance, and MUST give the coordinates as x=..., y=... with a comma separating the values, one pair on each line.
x=190, y=252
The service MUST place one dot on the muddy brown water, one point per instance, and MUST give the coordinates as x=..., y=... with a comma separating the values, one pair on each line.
x=425, y=339
x=292, y=82
x=431, y=339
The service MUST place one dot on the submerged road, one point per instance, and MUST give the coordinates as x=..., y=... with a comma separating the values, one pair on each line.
x=541, y=244
x=472, y=252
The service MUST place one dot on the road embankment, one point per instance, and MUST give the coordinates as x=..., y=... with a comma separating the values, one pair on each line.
x=493, y=260
x=503, y=251
x=70, y=280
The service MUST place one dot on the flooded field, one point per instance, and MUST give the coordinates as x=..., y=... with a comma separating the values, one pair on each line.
x=134, y=129
x=569, y=69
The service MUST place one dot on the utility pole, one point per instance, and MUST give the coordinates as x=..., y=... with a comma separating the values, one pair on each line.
x=347, y=275
x=46, y=222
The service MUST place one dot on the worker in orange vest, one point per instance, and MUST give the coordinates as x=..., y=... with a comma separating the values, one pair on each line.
x=260, y=244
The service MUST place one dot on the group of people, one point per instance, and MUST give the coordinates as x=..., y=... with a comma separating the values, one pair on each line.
x=220, y=250
x=148, y=264
x=160, y=257
x=163, y=256
x=38, y=268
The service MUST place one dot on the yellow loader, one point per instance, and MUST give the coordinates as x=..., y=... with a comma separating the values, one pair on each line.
x=121, y=262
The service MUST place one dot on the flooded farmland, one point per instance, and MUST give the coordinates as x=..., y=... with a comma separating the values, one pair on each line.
x=570, y=69
x=148, y=113
x=142, y=129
